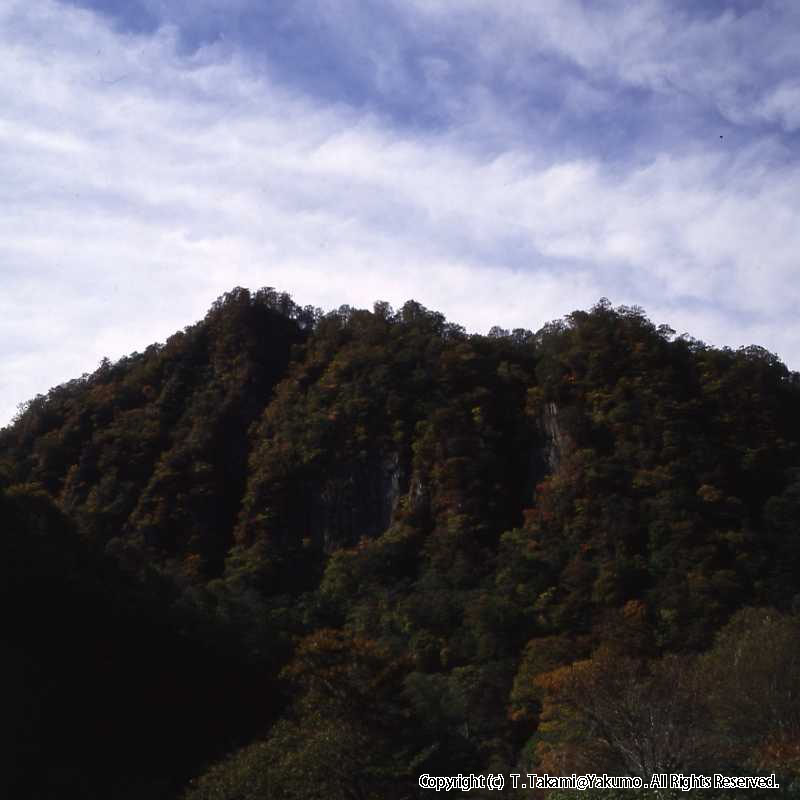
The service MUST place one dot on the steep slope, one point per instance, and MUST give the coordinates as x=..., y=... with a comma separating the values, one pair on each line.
x=149, y=455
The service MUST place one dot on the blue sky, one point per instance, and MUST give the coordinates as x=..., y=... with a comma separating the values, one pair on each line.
x=503, y=162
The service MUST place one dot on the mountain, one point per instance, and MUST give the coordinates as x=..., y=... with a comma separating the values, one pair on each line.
x=294, y=554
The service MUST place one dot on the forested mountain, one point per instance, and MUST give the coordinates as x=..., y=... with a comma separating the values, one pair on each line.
x=289, y=554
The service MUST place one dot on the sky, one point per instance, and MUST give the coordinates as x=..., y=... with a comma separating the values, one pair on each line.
x=504, y=162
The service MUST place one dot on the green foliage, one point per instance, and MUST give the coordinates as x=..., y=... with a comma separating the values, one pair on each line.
x=346, y=736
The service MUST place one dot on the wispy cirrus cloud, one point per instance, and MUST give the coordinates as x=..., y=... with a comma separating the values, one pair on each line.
x=502, y=163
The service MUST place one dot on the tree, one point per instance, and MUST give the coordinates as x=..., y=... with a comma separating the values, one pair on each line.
x=623, y=716
x=752, y=677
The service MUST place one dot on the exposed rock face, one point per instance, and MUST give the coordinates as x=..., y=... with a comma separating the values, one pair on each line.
x=556, y=439
x=357, y=502
x=553, y=443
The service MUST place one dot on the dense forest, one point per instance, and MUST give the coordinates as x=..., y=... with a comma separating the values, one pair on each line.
x=289, y=554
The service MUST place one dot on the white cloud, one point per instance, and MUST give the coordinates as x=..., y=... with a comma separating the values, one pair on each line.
x=782, y=105
x=139, y=184
x=731, y=63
